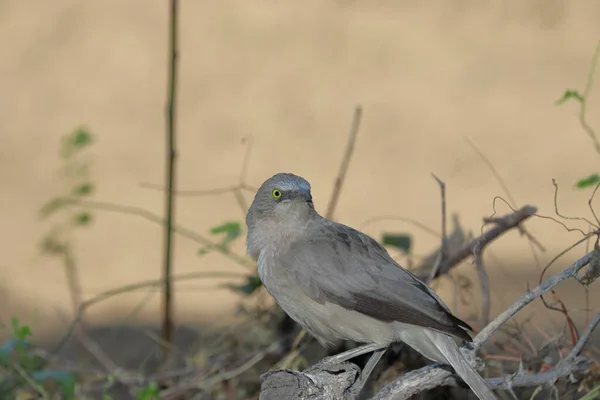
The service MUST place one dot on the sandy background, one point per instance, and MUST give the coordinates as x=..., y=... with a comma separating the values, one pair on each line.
x=288, y=74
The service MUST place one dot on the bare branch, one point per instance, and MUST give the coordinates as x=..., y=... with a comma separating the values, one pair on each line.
x=443, y=246
x=345, y=162
x=485, y=286
x=494, y=171
x=503, y=224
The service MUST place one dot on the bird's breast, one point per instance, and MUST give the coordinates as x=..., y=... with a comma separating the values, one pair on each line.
x=327, y=322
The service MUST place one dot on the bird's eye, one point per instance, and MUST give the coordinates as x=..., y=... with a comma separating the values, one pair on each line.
x=276, y=193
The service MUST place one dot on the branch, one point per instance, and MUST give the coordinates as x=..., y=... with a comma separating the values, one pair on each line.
x=345, y=162
x=503, y=224
x=167, y=306
x=431, y=376
x=443, y=253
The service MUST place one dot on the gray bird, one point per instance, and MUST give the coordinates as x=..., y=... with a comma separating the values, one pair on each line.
x=340, y=284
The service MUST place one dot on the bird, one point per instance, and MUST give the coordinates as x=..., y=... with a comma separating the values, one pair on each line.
x=341, y=284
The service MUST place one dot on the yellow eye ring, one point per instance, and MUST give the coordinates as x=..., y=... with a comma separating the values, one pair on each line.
x=276, y=193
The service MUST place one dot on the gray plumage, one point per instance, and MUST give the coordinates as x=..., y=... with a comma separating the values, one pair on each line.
x=340, y=284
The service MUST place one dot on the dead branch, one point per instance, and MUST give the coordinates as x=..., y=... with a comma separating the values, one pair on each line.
x=503, y=225
x=337, y=188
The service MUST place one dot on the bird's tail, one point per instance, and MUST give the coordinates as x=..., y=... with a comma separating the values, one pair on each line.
x=453, y=355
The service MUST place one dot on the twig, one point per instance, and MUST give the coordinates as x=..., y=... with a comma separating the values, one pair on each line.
x=503, y=224
x=583, y=101
x=193, y=383
x=583, y=338
x=133, y=287
x=207, y=192
x=485, y=286
x=167, y=309
x=562, y=310
x=236, y=190
x=493, y=170
x=30, y=381
x=187, y=233
x=443, y=246
x=410, y=221
x=432, y=376
x=345, y=162
x=544, y=287
x=566, y=217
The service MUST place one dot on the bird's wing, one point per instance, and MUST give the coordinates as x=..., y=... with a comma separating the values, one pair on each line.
x=343, y=266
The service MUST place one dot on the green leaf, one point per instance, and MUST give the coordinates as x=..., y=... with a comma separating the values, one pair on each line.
x=252, y=284
x=402, y=242
x=19, y=331
x=591, y=180
x=230, y=228
x=52, y=206
x=232, y=231
x=75, y=141
x=83, y=190
x=570, y=94
x=65, y=381
x=83, y=218
x=202, y=251
x=150, y=392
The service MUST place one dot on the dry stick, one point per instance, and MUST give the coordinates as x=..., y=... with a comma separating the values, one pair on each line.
x=493, y=170
x=431, y=376
x=567, y=217
x=140, y=212
x=443, y=251
x=485, y=285
x=133, y=287
x=503, y=224
x=207, y=192
x=345, y=162
x=167, y=307
x=410, y=221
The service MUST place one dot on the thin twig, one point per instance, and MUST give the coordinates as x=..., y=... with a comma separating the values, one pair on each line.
x=566, y=217
x=187, y=233
x=503, y=224
x=167, y=307
x=493, y=170
x=337, y=188
x=431, y=376
x=410, y=221
x=133, y=287
x=220, y=377
x=485, y=286
x=544, y=287
x=443, y=246
x=236, y=190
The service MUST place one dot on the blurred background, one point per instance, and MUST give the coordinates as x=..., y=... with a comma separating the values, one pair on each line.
x=282, y=79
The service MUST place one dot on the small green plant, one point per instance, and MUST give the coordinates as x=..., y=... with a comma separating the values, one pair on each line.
x=149, y=392
x=23, y=373
x=68, y=212
x=582, y=98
